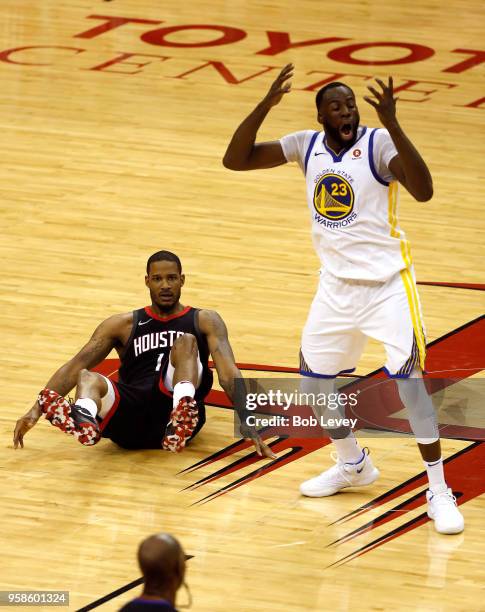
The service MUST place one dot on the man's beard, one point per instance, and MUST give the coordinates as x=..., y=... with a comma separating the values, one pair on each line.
x=165, y=306
x=334, y=133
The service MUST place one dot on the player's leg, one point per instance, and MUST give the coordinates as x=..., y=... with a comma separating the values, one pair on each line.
x=184, y=369
x=181, y=378
x=331, y=345
x=353, y=466
x=393, y=316
x=78, y=418
x=91, y=389
x=442, y=507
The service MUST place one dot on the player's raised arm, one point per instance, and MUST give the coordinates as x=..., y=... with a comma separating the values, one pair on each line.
x=215, y=330
x=243, y=153
x=408, y=166
x=103, y=340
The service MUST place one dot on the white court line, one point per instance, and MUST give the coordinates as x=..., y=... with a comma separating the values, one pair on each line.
x=290, y=544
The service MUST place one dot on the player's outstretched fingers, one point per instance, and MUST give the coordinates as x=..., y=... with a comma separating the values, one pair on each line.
x=373, y=91
x=280, y=86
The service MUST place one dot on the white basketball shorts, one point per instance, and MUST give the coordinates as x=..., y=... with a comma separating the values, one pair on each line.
x=345, y=312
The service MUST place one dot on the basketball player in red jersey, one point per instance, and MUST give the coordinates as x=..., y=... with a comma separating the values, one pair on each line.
x=164, y=376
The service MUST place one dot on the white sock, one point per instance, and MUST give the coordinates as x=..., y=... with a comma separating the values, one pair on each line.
x=348, y=449
x=184, y=388
x=436, y=476
x=88, y=404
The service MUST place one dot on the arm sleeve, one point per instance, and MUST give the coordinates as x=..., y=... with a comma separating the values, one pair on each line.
x=295, y=145
x=384, y=151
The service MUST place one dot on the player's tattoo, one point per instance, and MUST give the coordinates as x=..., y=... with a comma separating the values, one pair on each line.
x=97, y=347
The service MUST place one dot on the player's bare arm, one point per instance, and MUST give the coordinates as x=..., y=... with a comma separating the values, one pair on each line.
x=408, y=166
x=215, y=330
x=243, y=153
x=110, y=334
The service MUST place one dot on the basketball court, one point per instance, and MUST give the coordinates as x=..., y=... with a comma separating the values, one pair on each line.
x=115, y=117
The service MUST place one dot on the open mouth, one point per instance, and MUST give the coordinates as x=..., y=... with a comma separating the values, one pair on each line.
x=346, y=131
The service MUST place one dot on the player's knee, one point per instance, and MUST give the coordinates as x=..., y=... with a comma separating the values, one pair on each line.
x=186, y=344
x=83, y=376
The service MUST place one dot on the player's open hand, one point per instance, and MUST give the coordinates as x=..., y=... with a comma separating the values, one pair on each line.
x=383, y=101
x=280, y=87
x=24, y=424
x=262, y=449
x=251, y=433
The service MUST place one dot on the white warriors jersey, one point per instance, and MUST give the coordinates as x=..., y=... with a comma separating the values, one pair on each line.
x=353, y=199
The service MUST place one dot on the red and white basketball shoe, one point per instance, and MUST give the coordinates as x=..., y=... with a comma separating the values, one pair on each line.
x=183, y=420
x=69, y=418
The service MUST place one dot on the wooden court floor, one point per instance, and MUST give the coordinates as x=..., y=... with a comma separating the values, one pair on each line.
x=114, y=119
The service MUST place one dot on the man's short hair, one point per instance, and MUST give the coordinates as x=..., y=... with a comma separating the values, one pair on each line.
x=164, y=256
x=321, y=92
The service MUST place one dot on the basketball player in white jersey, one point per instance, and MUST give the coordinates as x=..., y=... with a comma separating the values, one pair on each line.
x=367, y=285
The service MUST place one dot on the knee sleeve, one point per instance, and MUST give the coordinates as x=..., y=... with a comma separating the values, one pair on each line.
x=421, y=412
x=321, y=394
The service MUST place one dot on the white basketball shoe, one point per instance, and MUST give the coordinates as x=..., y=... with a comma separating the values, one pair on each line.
x=443, y=510
x=341, y=476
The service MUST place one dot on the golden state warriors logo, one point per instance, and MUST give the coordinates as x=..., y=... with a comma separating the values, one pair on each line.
x=333, y=197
